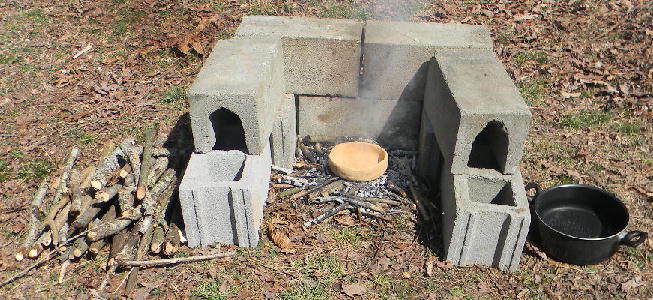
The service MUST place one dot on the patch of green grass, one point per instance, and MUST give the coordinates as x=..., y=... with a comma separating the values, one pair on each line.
x=36, y=16
x=564, y=179
x=261, y=8
x=402, y=222
x=325, y=268
x=36, y=169
x=208, y=291
x=84, y=137
x=348, y=235
x=638, y=256
x=458, y=292
x=305, y=291
x=5, y=171
x=16, y=153
x=129, y=17
x=174, y=95
x=585, y=119
x=504, y=37
x=347, y=9
x=628, y=128
x=10, y=59
x=532, y=90
x=538, y=57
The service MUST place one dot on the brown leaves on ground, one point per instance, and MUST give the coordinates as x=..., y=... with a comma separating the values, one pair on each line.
x=278, y=236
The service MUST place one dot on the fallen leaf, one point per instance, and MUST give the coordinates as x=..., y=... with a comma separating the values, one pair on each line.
x=346, y=220
x=354, y=289
x=632, y=284
x=279, y=237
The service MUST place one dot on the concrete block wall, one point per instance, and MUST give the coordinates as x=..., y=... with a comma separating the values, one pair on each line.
x=321, y=56
x=393, y=124
x=222, y=195
x=485, y=218
x=396, y=55
x=283, y=139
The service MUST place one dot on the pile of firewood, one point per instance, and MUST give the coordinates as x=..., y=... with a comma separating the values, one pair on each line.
x=119, y=203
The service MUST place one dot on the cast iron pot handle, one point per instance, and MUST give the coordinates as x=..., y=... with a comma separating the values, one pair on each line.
x=532, y=185
x=634, y=238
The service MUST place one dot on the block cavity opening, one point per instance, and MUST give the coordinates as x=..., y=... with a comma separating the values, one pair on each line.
x=228, y=130
x=491, y=191
x=490, y=148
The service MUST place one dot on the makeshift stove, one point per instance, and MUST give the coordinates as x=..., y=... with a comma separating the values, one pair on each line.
x=434, y=90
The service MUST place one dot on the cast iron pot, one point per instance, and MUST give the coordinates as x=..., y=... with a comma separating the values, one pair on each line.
x=581, y=224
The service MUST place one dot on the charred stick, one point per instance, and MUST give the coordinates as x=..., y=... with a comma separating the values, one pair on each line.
x=161, y=152
x=290, y=192
x=313, y=189
x=146, y=166
x=298, y=182
x=325, y=215
x=321, y=139
x=376, y=200
x=419, y=202
x=281, y=170
x=307, y=154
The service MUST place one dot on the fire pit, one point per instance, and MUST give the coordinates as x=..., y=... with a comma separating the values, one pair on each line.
x=358, y=161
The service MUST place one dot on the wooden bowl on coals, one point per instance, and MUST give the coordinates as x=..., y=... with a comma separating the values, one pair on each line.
x=358, y=161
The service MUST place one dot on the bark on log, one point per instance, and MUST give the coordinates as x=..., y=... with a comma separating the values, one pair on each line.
x=34, y=214
x=107, y=193
x=58, y=223
x=88, y=215
x=86, y=176
x=160, y=166
x=148, y=160
x=79, y=248
x=140, y=252
x=157, y=240
x=75, y=192
x=173, y=240
x=107, y=166
x=63, y=181
x=133, y=155
x=111, y=227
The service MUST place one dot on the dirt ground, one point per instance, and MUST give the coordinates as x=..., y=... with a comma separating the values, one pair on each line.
x=585, y=67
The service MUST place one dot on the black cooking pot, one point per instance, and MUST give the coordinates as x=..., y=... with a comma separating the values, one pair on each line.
x=581, y=224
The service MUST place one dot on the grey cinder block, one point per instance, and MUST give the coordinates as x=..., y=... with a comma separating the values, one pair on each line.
x=485, y=218
x=429, y=157
x=396, y=55
x=235, y=97
x=283, y=140
x=321, y=56
x=477, y=114
x=393, y=124
x=222, y=195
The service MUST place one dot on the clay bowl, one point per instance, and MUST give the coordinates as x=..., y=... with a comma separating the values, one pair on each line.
x=358, y=161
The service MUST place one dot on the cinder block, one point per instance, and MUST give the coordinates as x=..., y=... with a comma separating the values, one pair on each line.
x=477, y=114
x=283, y=140
x=396, y=55
x=429, y=157
x=485, y=218
x=236, y=95
x=321, y=56
x=222, y=195
x=393, y=124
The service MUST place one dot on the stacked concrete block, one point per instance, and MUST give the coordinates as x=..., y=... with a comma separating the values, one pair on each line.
x=478, y=115
x=429, y=158
x=222, y=195
x=396, y=55
x=245, y=77
x=321, y=56
x=283, y=140
x=485, y=218
x=393, y=124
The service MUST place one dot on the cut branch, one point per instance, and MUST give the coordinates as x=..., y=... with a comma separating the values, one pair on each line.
x=326, y=215
x=173, y=261
x=34, y=214
x=148, y=160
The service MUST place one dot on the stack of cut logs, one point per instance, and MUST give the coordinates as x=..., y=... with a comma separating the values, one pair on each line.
x=119, y=203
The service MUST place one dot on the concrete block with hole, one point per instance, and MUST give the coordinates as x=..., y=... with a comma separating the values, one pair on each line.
x=283, y=140
x=485, y=218
x=222, y=195
x=478, y=116
x=321, y=56
x=393, y=124
x=236, y=96
x=396, y=55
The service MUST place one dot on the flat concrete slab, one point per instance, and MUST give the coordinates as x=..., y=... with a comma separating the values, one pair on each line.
x=321, y=56
x=222, y=195
x=485, y=218
x=396, y=55
x=244, y=77
x=478, y=116
x=393, y=124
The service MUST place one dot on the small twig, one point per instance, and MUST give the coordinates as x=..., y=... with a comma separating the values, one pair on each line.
x=173, y=261
x=325, y=215
x=417, y=196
